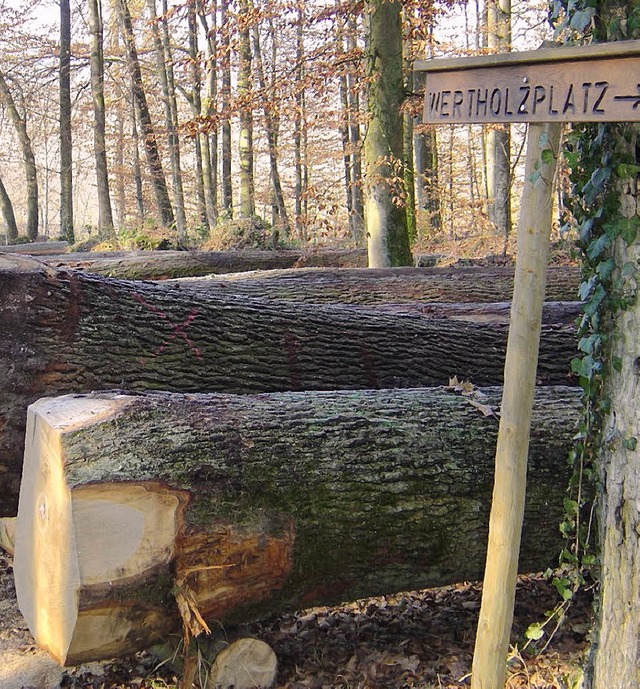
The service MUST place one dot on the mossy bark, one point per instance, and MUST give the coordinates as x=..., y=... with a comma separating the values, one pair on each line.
x=282, y=499
x=72, y=332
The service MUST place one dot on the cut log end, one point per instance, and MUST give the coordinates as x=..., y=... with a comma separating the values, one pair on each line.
x=245, y=664
x=70, y=544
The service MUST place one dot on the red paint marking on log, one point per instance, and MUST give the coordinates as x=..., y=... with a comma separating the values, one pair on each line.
x=178, y=330
x=292, y=345
x=369, y=366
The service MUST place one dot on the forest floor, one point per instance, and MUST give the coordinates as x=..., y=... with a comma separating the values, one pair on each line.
x=413, y=640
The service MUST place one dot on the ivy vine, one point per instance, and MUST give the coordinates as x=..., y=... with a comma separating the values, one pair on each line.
x=601, y=158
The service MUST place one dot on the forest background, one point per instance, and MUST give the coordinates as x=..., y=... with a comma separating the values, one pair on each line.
x=231, y=123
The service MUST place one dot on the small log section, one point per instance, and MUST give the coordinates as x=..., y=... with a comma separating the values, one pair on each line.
x=73, y=332
x=160, y=265
x=246, y=505
x=383, y=285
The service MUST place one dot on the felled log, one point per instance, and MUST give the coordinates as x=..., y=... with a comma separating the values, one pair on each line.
x=374, y=286
x=158, y=265
x=36, y=248
x=73, y=332
x=244, y=505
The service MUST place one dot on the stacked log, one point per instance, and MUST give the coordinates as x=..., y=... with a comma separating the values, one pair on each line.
x=138, y=512
x=66, y=331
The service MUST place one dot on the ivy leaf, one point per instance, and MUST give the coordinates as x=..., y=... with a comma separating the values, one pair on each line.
x=570, y=507
x=630, y=443
x=562, y=587
x=534, y=631
x=547, y=156
x=581, y=20
x=599, y=246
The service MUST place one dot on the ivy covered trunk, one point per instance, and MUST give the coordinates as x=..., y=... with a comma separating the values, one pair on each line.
x=72, y=332
x=245, y=505
x=605, y=161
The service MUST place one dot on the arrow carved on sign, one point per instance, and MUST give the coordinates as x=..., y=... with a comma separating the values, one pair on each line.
x=636, y=98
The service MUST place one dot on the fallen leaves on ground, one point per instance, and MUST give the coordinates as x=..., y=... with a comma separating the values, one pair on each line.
x=413, y=640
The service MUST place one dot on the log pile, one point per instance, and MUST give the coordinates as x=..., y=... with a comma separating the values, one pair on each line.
x=74, y=332
x=261, y=441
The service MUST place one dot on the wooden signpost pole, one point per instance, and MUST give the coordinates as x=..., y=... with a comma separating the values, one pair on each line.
x=546, y=88
x=507, y=509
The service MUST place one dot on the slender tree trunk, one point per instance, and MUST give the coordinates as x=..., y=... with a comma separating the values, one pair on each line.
x=301, y=229
x=227, y=189
x=195, y=99
x=347, y=153
x=20, y=124
x=355, y=140
x=105, y=215
x=66, y=157
x=388, y=239
x=498, y=142
x=209, y=139
x=149, y=137
x=271, y=132
x=245, y=146
x=121, y=194
x=7, y=213
x=164, y=64
x=137, y=166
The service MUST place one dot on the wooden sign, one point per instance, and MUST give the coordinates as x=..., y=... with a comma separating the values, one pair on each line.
x=598, y=83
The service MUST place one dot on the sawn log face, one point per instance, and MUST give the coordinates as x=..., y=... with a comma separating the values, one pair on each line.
x=278, y=500
x=72, y=332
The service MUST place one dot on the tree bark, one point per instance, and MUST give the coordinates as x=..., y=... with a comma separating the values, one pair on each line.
x=380, y=285
x=244, y=505
x=66, y=157
x=96, y=61
x=72, y=332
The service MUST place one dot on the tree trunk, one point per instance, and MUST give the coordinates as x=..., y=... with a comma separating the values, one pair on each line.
x=245, y=145
x=72, y=332
x=381, y=285
x=244, y=505
x=164, y=66
x=354, y=85
x=386, y=218
x=149, y=137
x=66, y=158
x=160, y=265
x=272, y=139
x=298, y=125
x=209, y=140
x=616, y=641
x=225, y=97
x=7, y=213
x=195, y=99
x=498, y=142
x=31, y=173
x=96, y=60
